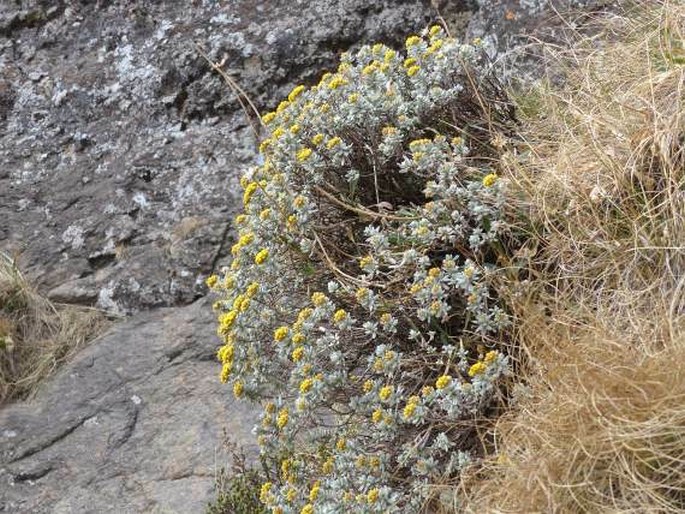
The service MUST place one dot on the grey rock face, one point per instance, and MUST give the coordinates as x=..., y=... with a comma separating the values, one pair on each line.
x=132, y=425
x=120, y=148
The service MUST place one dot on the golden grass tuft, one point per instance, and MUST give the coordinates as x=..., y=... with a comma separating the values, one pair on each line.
x=603, y=430
x=599, y=422
x=36, y=336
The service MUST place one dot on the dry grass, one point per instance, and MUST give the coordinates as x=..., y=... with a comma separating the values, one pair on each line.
x=600, y=425
x=36, y=336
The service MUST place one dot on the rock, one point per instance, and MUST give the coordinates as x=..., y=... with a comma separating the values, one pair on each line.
x=115, y=132
x=508, y=27
x=133, y=424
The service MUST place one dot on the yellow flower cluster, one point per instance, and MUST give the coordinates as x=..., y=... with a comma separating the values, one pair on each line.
x=282, y=419
x=443, y=382
x=339, y=316
x=385, y=392
x=281, y=333
x=490, y=179
x=261, y=256
x=410, y=407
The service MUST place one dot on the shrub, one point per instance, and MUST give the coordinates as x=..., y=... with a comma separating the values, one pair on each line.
x=359, y=305
x=237, y=487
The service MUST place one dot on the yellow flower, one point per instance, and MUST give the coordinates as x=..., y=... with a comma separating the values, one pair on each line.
x=413, y=71
x=227, y=319
x=353, y=98
x=377, y=48
x=304, y=314
x=238, y=389
x=237, y=302
x=246, y=239
x=297, y=354
x=290, y=495
x=249, y=191
x=477, y=41
x=296, y=92
x=264, y=145
x=304, y=154
x=306, y=385
x=278, y=132
x=372, y=495
x=478, y=368
x=261, y=256
x=368, y=386
x=298, y=338
x=281, y=333
x=385, y=392
x=282, y=106
x=377, y=416
x=333, y=142
x=434, y=30
x=389, y=55
x=389, y=131
x=291, y=221
x=409, y=62
x=282, y=419
x=489, y=180
x=418, y=142
x=211, y=280
x=268, y=117
x=307, y=509
x=410, y=407
x=264, y=492
x=490, y=357
x=225, y=372
x=443, y=382
x=225, y=353
x=337, y=82
x=294, y=129
x=327, y=467
x=325, y=107
x=339, y=316
x=285, y=468
x=362, y=294
x=240, y=219
x=314, y=491
x=413, y=41
x=299, y=201
x=341, y=444
x=252, y=289
x=365, y=261
x=317, y=139
x=319, y=299
x=370, y=68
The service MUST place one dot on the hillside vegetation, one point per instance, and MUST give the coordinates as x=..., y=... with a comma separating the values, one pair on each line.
x=453, y=296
